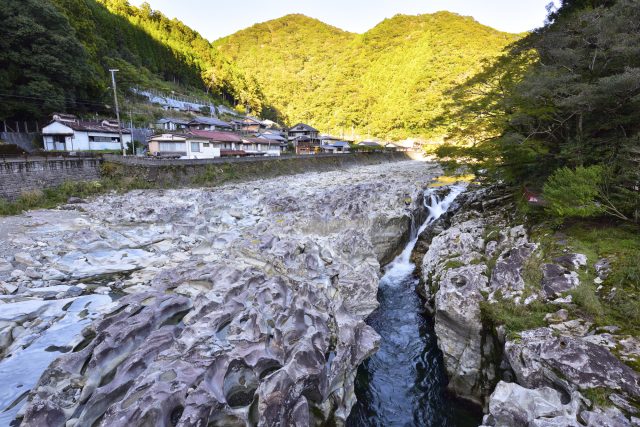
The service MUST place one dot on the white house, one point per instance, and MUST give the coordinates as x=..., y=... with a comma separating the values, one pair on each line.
x=262, y=146
x=67, y=133
x=184, y=146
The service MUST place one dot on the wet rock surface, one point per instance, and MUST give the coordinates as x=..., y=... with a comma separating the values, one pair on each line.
x=240, y=305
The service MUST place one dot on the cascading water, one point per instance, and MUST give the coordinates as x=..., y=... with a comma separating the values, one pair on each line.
x=403, y=384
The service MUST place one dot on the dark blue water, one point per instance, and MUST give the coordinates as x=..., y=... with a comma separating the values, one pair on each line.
x=404, y=383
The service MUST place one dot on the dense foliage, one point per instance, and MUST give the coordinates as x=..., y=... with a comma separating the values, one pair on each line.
x=43, y=67
x=568, y=95
x=389, y=82
x=55, y=55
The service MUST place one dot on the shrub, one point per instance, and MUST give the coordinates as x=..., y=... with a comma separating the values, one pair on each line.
x=574, y=193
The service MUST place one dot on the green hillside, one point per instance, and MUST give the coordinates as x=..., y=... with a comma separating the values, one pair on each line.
x=389, y=82
x=54, y=55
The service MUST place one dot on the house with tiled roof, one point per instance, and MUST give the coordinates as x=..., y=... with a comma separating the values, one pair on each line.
x=302, y=129
x=208, y=123
x=67, y=133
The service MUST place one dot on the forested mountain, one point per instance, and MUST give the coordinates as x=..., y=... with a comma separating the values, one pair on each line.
x=389, y=82
x=560, y=112
x=54, y=55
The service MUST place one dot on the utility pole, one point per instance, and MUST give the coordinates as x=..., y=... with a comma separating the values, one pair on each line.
x=115, y=98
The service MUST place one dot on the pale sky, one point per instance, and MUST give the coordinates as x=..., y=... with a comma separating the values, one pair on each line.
x=218, y=18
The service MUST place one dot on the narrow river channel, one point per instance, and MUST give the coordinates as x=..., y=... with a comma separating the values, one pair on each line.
x=404, y=383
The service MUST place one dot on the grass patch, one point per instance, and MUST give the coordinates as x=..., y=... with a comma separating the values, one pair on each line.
x=597, y=239
x=620, y=243
x=598, y=396
x=515, y=318
x=55, y=196
x=586, y=299
x=452, y=263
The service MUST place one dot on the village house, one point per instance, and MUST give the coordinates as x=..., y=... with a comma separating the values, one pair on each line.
x=249, y=125
x=228, y=143
x=67, y=133
x=262, y=147
x=183, y=145
x=337, y=147
x=406, y=145
x=208, y=123
x=302, y=129
x=171, y=124
x=370, y=144
x=303, y=145
x=274, y=136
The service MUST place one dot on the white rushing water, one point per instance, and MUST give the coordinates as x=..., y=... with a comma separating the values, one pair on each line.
x=402, y=265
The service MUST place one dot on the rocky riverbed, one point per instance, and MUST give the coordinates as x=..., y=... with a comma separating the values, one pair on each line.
x=567, y=371
x=239, y=305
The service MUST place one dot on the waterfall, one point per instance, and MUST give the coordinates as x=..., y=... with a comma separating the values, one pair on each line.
x=402, y=265
x=404, y=383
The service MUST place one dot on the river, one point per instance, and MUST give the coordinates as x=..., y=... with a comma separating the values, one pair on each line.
x=404, y=383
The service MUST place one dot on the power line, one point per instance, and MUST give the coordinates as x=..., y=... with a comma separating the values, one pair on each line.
x=36, y=98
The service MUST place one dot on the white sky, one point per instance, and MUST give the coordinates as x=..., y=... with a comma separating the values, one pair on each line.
x=218, y=18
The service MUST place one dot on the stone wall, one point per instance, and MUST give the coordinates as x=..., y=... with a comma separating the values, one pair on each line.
x=20, y=176
x=211, y=172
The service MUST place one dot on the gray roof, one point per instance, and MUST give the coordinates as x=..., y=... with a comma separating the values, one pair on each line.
x=302, y=127
x=105, y=126
x=370, y=144
x=172, y=120
x=273, y=137
x=211, y=121
x=341, y=144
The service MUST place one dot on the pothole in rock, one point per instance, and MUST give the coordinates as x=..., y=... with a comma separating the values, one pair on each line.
x=176, y=414
x=266, y=367
x=240, y=384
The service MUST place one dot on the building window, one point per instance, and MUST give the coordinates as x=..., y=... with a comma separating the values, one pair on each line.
x=58, y=139
x=195, y=147
x=205, y=145
x=171, y=146
x=103, y=138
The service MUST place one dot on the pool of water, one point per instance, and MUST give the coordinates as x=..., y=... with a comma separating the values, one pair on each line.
x=404, y=383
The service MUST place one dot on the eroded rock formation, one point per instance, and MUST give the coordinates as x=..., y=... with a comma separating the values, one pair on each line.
x=538, y=377
x=243, y=305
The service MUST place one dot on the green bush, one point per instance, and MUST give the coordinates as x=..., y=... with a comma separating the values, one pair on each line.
x=574, y=193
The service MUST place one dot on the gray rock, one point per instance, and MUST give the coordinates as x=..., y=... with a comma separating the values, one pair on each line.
x=26, y=259
x=572, y=261
x=557, y=280
x=541, y=358
x=511, y=405
x=610, y=417
x=507, y=274
x=603, y=268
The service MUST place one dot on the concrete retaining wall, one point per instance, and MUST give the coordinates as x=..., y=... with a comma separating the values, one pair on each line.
x=20, y=176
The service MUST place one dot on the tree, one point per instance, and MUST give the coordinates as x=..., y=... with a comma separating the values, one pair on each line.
x=577, y=105
x=43, y=67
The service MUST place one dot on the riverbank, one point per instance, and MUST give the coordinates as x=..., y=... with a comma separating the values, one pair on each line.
x=537, y=325
x=47, y=183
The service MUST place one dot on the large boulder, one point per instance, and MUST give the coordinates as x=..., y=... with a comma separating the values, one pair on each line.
x=541, y=358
